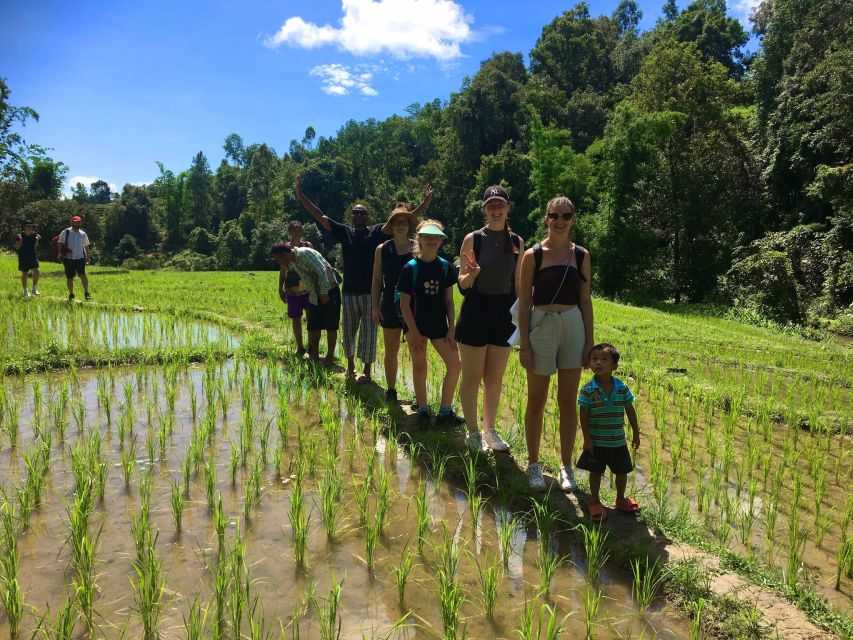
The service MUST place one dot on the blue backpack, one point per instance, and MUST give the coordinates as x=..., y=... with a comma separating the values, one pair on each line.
x=413, y=263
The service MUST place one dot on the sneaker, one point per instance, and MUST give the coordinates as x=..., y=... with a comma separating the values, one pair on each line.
x=391, y=396
x=494, y=441
x=474, y=441
x=26, y=293
x=87, y=296
x=566, y=479
x=301, y=353
x=449, y=420
x=424, y=420
x=36, y=292
x=70, y=297
x=534, y=477
x=413, y=405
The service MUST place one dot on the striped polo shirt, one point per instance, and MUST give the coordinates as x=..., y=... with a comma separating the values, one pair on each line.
x=606, y=414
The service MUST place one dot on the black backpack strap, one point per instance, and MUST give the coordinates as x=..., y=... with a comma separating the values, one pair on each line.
x=580, y=253
x=537, y=257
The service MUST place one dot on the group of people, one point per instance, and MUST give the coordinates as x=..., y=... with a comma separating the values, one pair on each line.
x=72, y=250
x=537, y=297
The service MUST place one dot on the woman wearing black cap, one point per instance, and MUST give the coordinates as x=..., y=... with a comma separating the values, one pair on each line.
x=25, y=245
x=489, y=268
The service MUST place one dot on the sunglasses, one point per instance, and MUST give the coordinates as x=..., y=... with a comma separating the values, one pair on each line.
x=359, y=212
x=554, y=215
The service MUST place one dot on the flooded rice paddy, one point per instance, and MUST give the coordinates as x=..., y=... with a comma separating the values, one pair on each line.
x=285, y=491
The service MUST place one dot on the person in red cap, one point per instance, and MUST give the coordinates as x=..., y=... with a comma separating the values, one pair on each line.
x=74, y=250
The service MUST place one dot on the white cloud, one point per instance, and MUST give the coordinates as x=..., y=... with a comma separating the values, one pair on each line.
x=403, y=29
x=743, y=9
x=87, y=181
x=340, y=80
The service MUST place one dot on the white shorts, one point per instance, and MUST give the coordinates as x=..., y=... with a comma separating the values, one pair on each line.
x=557, y=340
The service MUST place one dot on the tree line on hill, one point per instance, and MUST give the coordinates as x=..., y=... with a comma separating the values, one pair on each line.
x=701, y=172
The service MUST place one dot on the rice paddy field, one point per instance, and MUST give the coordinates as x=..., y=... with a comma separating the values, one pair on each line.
x=169, y=469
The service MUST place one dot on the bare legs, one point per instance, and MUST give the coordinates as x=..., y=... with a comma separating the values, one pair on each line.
x=486, y=364
x=391, y=338
x=297, y=333
x=595, y=486
x=537, y=397
x=453, y=367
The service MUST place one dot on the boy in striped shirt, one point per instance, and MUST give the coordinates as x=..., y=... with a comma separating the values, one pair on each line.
x=604, y=402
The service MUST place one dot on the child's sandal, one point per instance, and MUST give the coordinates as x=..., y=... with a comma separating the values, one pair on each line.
x=597, y=512
x=627, y=505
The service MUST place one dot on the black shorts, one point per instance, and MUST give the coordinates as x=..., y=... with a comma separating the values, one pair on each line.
x=431, y=328
x=390, y=314
x=26, y=263
x=74, y=267
x=325, y=317
x=485, y=319
x=617, y=458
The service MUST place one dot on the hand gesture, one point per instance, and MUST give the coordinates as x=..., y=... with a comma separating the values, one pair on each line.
x=417, y=342
x=471, y=265
x=587, y=349
x=428, y=194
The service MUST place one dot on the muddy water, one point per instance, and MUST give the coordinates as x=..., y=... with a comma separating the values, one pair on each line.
x=369, y=602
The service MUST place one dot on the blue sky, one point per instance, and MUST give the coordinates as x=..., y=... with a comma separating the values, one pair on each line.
x=120, y=85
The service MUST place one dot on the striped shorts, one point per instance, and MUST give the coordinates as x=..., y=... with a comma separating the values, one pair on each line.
x=358, y=320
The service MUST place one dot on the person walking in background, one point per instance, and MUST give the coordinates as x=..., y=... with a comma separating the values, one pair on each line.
x=292, y=287
x=388, y=262
x=489, y=268
x=324, y=297
x=358, y=244
x=426, y=302
x=25, y=245
x=555, y=325
x=74, y=252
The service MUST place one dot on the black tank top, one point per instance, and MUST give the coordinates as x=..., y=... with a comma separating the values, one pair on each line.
x=392, y=265
x=28, y=246
x=547, y=287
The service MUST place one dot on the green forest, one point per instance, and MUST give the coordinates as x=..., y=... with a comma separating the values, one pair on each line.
x=702, y=172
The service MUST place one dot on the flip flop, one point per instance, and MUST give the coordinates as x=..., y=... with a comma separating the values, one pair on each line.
x=627, y=505
x=597, y=512
x=363, y=379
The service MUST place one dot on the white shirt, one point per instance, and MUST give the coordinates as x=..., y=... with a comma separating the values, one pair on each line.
x=74, y=242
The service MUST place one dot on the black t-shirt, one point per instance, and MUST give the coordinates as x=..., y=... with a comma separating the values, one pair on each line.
x=358, y=247
x=28, y=246
x=427, y=294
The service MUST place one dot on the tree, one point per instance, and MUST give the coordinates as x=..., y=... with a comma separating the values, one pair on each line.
x=308, y=138
x=13, y=149
x=45, y=178
x=100, y=192
x=168, y=190
x=80, y=194
x=198, y=203
x=131, y=214
x=260, y=185
x=229, y=190
x=235, y=150
x=126, y=248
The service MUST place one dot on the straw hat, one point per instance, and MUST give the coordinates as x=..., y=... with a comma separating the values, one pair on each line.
x=399, y=211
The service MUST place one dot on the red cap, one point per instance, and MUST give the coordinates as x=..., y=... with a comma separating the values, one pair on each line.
x=76, y=219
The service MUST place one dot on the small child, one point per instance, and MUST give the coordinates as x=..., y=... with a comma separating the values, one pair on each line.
x=604, y=401
x=426, y=302
x=25, y=245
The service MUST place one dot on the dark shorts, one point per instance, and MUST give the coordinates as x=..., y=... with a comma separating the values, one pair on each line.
x=325, y=317
x=74, y=267
x=390, y=315
x=25, y=263
x=485, y=320
x=432, y=330
x=296, y=305
x=618, y=459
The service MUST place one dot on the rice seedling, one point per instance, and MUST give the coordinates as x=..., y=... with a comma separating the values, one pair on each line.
x=506, y=532
x=547, y=564
x=148, y=588
x=383, y=498
x=402, y=572
x=299, y=520
x=843, y=561
x=546, y=518
x=327, y=612
x=219, y=522
x=423, y=517
x=696, y=624
x=594, y=542
x=331, y=490
x=210, y=484
x=372, y=531
x=489, y=576
x=12, y=595
x=62, y=626
x=177, y=502
x=648, y=578
x=127, y=459
x=361, y=492
x=591, y=602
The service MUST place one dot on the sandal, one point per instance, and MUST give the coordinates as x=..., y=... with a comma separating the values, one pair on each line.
x=597, y=512
x=627, y=505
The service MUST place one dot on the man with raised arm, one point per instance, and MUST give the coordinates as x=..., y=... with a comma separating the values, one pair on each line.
x=358, y=244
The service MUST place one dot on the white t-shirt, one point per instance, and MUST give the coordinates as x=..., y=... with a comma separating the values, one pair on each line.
x=74, y=242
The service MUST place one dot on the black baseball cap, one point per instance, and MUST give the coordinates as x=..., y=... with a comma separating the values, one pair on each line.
x=495, y=191
x=29, y=223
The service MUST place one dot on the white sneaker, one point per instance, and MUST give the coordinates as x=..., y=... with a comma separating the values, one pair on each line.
x=567, y=479
x=26, y=293
x=534, y=477
x=36, y=292
x=494, y=441
x=475, y=442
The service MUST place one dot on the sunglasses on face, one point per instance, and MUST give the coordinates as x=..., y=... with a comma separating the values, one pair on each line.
x=554, y=215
